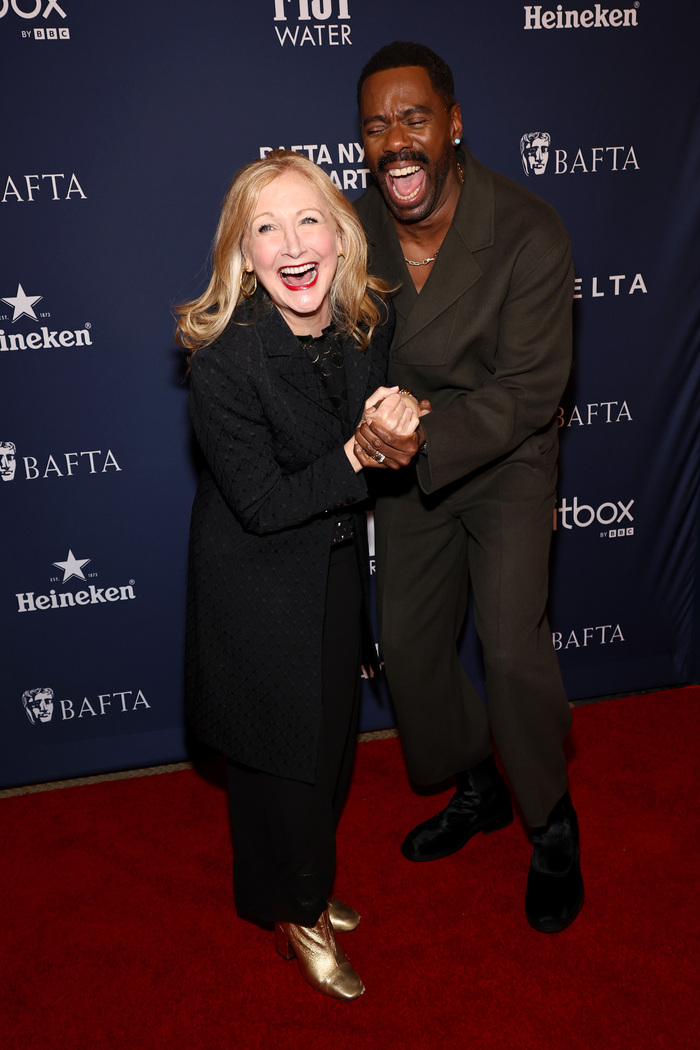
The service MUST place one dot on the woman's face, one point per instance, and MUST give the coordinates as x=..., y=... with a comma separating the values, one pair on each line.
x=293, y=247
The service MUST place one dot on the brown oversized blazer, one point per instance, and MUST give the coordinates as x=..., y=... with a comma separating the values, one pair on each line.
x=275, y=474
x=488, y=339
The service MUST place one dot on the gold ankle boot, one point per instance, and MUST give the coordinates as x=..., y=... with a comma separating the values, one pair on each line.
x=343, y=917
x=323, y=963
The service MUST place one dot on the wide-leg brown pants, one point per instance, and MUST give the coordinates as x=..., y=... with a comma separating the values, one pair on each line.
x=494, y=533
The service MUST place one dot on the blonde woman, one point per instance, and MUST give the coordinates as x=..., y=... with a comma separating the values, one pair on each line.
x=287, y=351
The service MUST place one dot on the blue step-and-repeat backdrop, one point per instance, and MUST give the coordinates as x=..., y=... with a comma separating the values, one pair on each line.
x=122, y=126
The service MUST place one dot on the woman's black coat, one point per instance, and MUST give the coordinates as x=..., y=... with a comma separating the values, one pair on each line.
x=275, y=475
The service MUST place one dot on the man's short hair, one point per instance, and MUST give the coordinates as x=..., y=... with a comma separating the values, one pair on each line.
x=404, y=53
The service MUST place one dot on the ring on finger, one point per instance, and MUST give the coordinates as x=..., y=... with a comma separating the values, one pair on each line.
x=379, y=456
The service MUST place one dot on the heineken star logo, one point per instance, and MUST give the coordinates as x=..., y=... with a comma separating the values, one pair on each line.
x=22, y=304
x=72, y=566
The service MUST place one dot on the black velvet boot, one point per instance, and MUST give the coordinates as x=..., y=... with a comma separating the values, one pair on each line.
x=554, y=885
x=481, y=803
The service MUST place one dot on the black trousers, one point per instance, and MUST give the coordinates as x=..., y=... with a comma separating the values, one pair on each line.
x=283, y=830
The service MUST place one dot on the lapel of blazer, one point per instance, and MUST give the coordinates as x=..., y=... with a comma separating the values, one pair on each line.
x=295, y=367
x=292, y=362
x=386, y=257
x=357, y=368
x=456, y=269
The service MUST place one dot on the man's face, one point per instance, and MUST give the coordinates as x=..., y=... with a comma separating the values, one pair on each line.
x=408, y=135
x=7, y=462
x=40, y=707
x=537, y=155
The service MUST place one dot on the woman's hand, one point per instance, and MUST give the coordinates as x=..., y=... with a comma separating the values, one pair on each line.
x=395, y=410
x=378, y=446
x=398, y=413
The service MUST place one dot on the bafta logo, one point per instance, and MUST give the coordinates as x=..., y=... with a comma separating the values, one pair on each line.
x=8, y=460
x=534, y=152
x=38, y=703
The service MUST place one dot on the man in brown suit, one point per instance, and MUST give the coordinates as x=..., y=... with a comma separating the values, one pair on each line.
x=483, y=332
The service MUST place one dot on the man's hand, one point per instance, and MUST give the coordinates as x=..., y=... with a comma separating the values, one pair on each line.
x=375, y=446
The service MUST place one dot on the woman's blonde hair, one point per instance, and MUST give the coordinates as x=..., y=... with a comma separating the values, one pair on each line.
x=353, y=309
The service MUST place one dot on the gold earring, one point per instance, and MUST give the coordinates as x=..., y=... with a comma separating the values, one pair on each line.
x=248, y=293
x=342, y=255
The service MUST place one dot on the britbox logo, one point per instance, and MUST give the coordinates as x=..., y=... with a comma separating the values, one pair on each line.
x=29, y=9
x=52, y=34
x=313, y=22
x=616, y=517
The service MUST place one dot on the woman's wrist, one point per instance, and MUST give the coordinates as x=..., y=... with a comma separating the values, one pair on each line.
x=349, y=448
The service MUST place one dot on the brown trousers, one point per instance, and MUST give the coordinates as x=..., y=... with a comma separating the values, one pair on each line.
x=492, y=533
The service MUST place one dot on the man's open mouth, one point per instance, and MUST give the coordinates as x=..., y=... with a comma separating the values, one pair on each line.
x=406, y=182
x=297, y=277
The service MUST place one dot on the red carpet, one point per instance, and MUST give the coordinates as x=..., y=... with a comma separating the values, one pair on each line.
x=118, y=929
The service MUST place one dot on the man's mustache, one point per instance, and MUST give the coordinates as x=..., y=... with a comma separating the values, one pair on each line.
x=406, y=156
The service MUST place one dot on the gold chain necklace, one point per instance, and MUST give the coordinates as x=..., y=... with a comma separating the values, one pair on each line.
x=424, y=262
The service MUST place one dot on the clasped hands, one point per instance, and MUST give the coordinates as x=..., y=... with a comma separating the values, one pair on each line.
x=390, y=432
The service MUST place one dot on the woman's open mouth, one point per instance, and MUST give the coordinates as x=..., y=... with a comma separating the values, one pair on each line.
x=297, y=278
